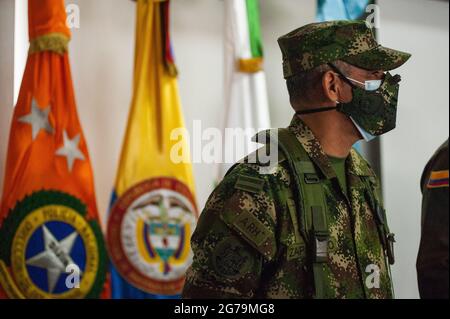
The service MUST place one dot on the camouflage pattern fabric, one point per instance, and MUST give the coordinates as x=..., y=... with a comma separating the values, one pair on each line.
x=350, y=41
x=375, y=111
x=247, y=246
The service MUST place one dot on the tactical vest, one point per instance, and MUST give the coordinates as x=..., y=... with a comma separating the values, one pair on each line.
x=309, y=199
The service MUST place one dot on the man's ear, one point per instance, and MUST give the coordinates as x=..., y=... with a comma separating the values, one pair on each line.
x=331, y=83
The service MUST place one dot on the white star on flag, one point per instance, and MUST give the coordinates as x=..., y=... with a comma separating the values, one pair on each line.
x=38, y=119
x=70, y=150
x=55, y=257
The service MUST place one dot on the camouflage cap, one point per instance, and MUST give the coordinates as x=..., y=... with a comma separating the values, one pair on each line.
x=350, y=41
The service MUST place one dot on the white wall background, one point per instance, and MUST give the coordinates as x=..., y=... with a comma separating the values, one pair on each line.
x=102, y=59
x=421, y=28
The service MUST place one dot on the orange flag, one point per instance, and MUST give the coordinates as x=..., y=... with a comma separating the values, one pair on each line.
x=51, y=243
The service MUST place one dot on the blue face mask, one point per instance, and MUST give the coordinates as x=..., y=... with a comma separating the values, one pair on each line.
x=366, y=135
x=369, y=85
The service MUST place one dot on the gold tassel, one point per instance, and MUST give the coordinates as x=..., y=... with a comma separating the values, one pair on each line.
x=54, y=42
x=253, y=65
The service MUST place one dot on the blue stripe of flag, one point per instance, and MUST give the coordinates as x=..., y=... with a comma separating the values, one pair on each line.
x=438, y=181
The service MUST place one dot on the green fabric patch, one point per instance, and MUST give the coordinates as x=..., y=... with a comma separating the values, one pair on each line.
x=252, y=228
x=295, y=251
x=231, y=259
x=249, y=184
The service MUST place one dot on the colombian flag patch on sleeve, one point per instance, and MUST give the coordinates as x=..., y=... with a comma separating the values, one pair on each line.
x=438, y=179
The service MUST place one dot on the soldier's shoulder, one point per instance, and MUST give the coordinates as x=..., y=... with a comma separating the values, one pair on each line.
x=258, y=170
x=246, y=201
x=441, y=155
x=247, y=179
x=438, y=163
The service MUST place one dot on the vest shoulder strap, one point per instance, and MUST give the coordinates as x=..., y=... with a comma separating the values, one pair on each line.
x=310, y=196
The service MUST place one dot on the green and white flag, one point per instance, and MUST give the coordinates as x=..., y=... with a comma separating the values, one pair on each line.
x=246, y=103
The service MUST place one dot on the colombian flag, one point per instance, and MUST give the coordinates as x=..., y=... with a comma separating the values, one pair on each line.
x=438, y=179
x=153, y=210
x=51, y=244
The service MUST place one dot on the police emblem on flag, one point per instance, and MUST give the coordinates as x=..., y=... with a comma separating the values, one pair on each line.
x=149, y=232
x=51, y=249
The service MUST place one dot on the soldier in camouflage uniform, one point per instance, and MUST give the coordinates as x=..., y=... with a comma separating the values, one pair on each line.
x=313, y=225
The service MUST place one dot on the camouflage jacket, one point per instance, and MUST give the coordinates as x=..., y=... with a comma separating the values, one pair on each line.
x=245, y=242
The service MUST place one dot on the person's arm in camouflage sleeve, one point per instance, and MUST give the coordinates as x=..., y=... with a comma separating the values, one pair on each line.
x=234, y=238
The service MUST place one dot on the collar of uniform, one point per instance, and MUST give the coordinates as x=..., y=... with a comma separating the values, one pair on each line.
x=312, y=146
x=357, y=165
